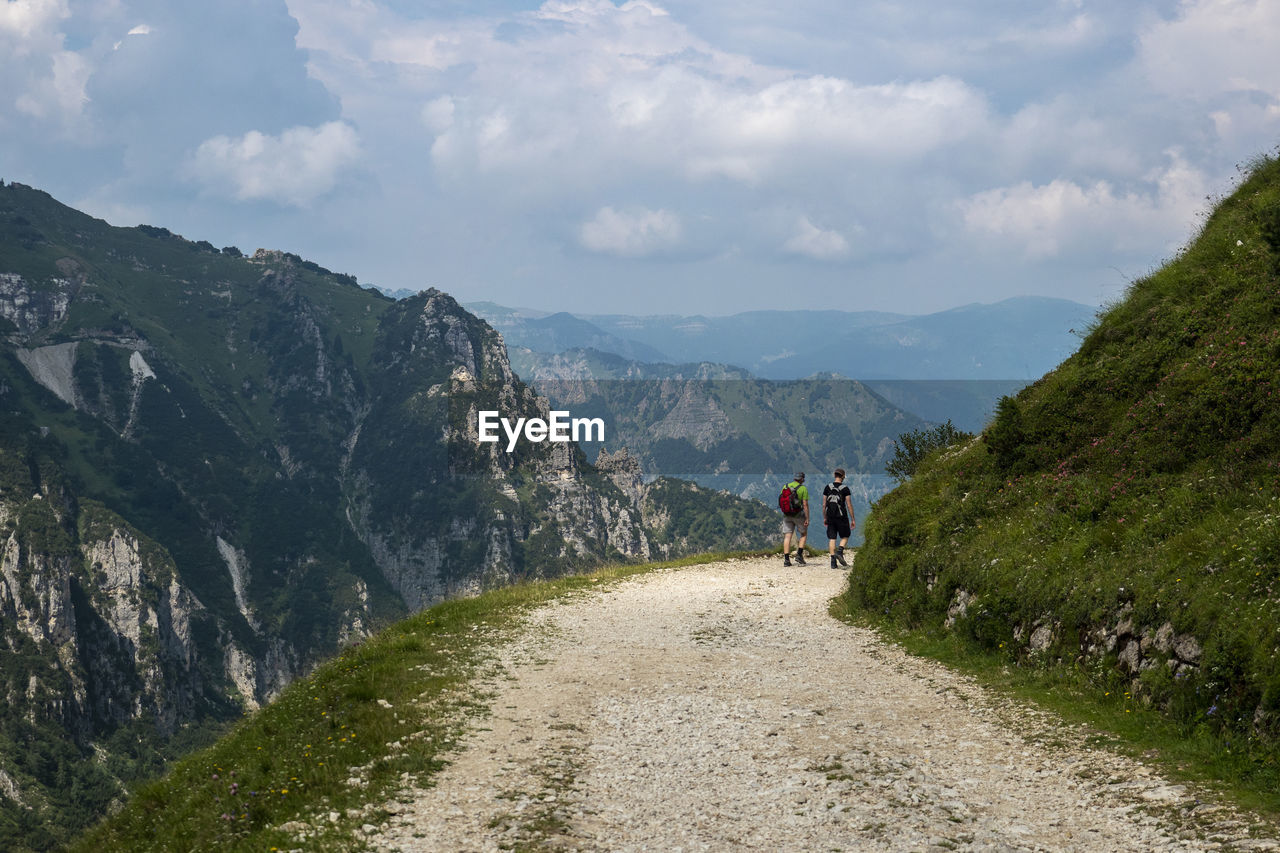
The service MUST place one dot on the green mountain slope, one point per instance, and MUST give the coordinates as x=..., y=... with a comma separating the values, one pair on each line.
x=217, y=470
x=1122, y=514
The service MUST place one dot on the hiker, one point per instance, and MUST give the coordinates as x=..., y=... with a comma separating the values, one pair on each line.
x=837, y=512
x=795, y=498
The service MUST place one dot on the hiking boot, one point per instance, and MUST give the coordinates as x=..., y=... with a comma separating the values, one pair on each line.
x=800, y=558
x=833, y=562
x=786, y=559
x=839, y=556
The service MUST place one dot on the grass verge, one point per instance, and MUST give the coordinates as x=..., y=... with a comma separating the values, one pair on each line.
x=1118, y=720
x=318, y=763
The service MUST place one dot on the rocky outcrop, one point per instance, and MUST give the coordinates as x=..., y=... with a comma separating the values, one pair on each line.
x=32, y=308
x=537, y=511
x=116, y=625
x=1132, y=648
x=624, y=470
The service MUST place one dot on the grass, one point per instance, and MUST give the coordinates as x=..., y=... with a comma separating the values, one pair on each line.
x=1118, y=720
x=380, y=717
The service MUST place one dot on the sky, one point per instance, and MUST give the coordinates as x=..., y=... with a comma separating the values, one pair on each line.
x=656, y=157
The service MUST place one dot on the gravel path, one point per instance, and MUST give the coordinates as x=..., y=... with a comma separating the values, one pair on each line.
x=720, y=707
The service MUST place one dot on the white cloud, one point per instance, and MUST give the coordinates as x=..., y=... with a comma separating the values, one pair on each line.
x=296, y=167
x=31, y=21
x=828, y=118
x=41, y=79
x=437, y=115
x=813, y=242
x=1214, y=46
x=577, y=94
x=62, y=93
x=140, y=30
x=1062, y=216
x=1219, y=57
x=631, y=233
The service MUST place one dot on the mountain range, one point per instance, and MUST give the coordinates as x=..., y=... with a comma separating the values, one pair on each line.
x=1016, y=339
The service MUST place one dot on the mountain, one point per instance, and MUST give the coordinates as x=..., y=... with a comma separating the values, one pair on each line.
x=1017, y=339
x=771, y=344
x=558, y=332
x=397, y=293
x=1121, y=515
x=724, y=428
x=217, y=470
x=953, y=365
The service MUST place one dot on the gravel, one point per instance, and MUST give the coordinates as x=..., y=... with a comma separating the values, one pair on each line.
x=720, y=707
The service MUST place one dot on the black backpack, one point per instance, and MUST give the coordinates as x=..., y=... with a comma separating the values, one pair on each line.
x=833, y=503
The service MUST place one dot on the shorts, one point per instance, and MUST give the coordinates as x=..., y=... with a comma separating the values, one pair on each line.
x=839, y=530
x=794, y=524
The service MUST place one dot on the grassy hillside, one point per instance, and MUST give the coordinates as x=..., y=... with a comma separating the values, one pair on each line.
x=1121, y=516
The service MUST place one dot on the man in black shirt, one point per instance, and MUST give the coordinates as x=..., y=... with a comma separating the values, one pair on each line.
x=837, y=512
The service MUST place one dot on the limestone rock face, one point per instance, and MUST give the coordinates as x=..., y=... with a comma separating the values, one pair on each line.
x=541, y=510
x=111, y=616
x=31, y=307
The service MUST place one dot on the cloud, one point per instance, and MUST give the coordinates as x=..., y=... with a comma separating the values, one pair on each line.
x=1218, y=57
x=1212, y=47
x=578, y=94
x=32, y=20
x=62, y=93
x=42, y=80
x=1062, y=216
x=813, y=242
x=632, y=233
x=960, y=135
x=295, y=168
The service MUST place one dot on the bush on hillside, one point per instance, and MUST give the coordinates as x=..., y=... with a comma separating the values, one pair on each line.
x=911, y=448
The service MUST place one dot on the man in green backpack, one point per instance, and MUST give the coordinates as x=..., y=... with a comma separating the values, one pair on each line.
x=794, y=503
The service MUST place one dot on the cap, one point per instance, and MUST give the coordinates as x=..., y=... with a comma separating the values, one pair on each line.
x=839, y=474
x=800, y=477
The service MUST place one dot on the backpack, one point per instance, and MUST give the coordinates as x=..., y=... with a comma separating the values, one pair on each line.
x=789, y=501
x=833, y=503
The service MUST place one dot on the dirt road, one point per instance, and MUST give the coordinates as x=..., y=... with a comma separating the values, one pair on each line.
x=720, y=707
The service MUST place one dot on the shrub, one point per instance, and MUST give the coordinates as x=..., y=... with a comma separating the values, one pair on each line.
x=1006, y=437
x=910, y=448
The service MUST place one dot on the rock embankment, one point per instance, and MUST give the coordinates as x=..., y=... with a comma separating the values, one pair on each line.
x=721, y=708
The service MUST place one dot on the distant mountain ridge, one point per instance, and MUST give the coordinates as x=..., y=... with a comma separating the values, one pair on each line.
x=1017, y=338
